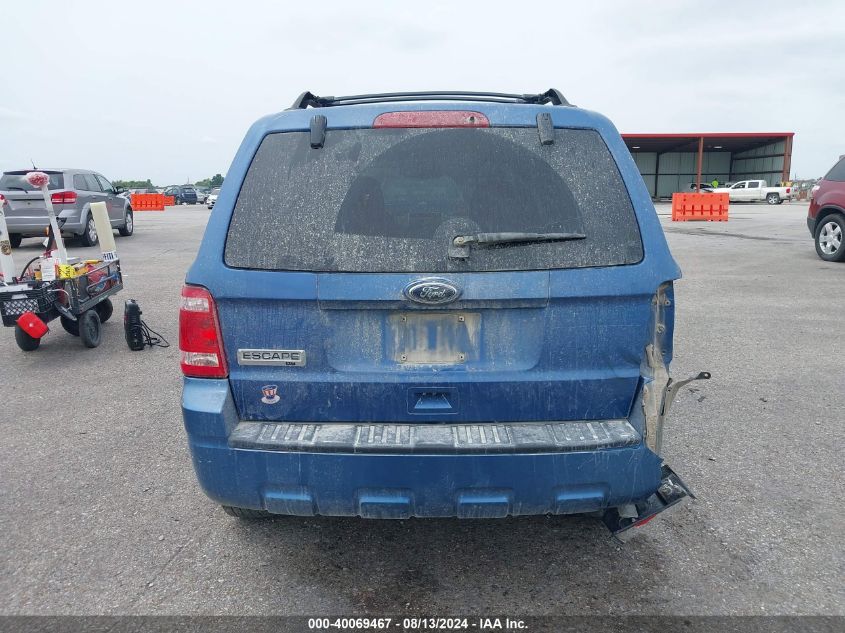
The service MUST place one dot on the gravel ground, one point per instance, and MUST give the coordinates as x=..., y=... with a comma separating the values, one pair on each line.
x=100, y=511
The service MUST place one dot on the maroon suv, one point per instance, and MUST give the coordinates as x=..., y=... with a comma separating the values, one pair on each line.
x=826, y=219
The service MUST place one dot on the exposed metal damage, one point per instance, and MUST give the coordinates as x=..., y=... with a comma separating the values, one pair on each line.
x=660, y=389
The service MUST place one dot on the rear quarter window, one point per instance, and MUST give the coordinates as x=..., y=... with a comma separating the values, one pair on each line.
x=91, y=183
x=392, y=200
x=837, y=174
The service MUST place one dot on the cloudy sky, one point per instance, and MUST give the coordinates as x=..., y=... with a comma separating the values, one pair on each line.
x=166, y=90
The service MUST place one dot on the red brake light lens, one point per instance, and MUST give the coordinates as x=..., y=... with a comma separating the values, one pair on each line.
x=200, y=342
x=432, y=118
x=63, y=197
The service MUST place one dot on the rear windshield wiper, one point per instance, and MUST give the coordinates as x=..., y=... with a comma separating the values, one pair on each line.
x=10, y=187
x=461, y=242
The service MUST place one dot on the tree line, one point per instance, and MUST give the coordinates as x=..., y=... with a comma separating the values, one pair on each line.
x=215, y=181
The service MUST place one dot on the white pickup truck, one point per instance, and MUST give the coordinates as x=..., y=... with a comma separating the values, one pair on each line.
x=755, y=191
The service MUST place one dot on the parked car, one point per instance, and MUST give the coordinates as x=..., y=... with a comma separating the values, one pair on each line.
x=704, y=187
x=755, y=191
x=212, y=197
x=72, y=192
x=182, y=194
x=129, y=192
x=461, y=309
x=826, y=217
x=202, y=196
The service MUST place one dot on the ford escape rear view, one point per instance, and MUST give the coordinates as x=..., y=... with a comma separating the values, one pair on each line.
x=431, y=304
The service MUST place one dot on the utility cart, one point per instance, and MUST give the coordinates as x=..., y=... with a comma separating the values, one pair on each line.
x=79, y=297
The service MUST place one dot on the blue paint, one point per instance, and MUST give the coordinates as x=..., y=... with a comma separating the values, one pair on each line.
x=292, y=500
x=430, y=485
x=552, y=345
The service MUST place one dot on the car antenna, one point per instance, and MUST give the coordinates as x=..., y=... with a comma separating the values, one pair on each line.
x=33, y=164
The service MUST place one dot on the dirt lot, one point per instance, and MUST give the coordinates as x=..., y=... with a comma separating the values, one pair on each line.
x=100, y=512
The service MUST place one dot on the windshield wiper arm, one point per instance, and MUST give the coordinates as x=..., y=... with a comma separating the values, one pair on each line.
x=12, y=187
x=461, y=242
x=515, y=238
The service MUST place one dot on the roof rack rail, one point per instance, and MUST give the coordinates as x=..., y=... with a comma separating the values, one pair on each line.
x=551, y=96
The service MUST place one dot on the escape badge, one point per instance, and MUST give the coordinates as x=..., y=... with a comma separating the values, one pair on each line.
x=285, y=357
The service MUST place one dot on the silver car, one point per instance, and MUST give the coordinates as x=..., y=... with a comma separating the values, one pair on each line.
x=71, y=191
x=212, y=197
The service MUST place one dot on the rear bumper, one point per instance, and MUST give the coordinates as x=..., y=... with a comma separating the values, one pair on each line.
x=36, y=225
x=234, y=468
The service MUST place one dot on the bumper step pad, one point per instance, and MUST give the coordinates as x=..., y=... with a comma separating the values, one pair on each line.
x=525, y=437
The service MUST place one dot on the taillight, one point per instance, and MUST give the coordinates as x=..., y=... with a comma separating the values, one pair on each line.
x=63, y=197
x=432, y=118
x=788, y=190
x=200, y=342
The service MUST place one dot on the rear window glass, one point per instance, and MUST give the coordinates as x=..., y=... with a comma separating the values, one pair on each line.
x=91, y=182
x=15, y=181
x=838, y=172
x=393, y=200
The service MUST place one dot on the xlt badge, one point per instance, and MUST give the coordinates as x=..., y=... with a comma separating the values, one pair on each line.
x=285, y=357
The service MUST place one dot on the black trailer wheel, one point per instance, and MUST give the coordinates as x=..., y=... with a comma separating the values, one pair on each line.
x=15, y=239
x=104, y=310
x=89, y=328
x=71, y=327
x=25, y=341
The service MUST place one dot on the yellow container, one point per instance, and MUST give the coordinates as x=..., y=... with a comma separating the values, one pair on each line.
x=67, y=271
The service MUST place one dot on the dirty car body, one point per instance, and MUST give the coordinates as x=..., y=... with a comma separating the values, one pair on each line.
x=432, y=306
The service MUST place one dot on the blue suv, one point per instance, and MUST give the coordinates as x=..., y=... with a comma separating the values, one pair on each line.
x=432, y=304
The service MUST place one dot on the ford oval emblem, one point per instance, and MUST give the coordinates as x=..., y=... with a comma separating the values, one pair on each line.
x=432, y=291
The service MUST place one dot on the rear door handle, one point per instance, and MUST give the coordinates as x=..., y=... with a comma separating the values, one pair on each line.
x=433, y=401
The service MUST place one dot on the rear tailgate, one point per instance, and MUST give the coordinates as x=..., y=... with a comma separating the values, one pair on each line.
x=511, y=354
x=25, y=203
x=324, y=244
